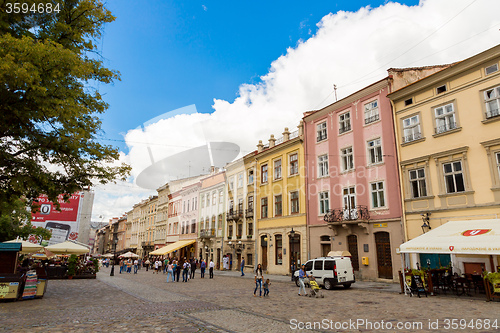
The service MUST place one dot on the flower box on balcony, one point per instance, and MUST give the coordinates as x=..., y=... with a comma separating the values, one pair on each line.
x=249, y=236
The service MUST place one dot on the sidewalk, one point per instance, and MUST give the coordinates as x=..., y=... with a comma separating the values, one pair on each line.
x=371, y=285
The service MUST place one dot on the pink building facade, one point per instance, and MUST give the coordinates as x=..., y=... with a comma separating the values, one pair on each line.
x=352, y=182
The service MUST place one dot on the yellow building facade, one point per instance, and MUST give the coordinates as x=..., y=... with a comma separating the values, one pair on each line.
x=448, y=137
x=280, y=203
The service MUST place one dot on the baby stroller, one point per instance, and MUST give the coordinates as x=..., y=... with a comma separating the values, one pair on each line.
x=315, y=289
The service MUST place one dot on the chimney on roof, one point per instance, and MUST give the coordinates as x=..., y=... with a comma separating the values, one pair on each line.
x=272, y=141
x=260, y=146
x=286, y=134
x=301, y=128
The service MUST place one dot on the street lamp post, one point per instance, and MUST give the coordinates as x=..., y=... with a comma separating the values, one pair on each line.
x=115, y=241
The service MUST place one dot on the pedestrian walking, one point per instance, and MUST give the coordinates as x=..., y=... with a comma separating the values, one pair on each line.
x=122, y=266
x=211, y=268
x=170, y=270
x=203, y=265
x=225, y=262
x=159, y=265
x=293, y=267
x=193, y=267
x=147, y=263
x=129, y=266
x=266, y=287
x=156, y=267
x=302, y=276
x=185, y=270
x=178, y=271
x=242, y=266
x=258, y=280
x=174, y=269
x=165, y=264
x=136, y=266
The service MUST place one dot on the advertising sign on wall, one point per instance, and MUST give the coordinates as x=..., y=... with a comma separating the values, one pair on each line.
x=63, y=223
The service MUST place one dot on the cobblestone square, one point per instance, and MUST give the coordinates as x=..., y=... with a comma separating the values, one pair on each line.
x=145, y=302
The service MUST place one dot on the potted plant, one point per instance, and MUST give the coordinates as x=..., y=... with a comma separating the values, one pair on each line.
x=72, y=264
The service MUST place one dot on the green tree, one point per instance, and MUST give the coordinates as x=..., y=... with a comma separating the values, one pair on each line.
x=14, y=225
x=49, y=106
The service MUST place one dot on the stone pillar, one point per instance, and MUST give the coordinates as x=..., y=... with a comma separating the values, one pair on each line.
x=260, y=146
x=272, y=141
x=286, y=135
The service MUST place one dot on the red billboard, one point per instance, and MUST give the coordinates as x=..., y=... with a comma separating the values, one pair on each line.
x=63, y=223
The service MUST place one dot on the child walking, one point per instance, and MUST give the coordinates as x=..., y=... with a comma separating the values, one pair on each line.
x=266, y=287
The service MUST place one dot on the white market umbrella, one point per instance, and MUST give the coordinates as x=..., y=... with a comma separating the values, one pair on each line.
x=68, y=247
x=129, y=255
x=27, y=247
x=108, y=255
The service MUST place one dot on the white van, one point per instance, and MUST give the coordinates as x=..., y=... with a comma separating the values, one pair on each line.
x=329, y=271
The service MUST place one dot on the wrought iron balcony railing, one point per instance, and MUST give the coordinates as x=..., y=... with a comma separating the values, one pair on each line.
x=249, y=212
x=207, y=233
x=353, y=214
x=492, y=113
x=234, y=214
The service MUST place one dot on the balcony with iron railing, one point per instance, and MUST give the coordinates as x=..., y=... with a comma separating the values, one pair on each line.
x=207, y=233
x=234, y=214
x=371, y=119
x=412, y=137
x=358, y=213
x=445, y=128
x=492, y=113
x=249, y=213
x=344, y=128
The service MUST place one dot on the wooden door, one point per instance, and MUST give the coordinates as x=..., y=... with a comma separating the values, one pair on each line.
x=264, y=258
x=325, y=249
x=352, y=243
x=384, y=261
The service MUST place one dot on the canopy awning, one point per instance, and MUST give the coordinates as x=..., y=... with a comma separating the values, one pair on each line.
x=458, y=237
x=172, y=247
x=68, y=247
x=27, y=247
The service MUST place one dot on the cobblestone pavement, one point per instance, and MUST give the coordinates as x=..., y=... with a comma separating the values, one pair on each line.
x=144, y=302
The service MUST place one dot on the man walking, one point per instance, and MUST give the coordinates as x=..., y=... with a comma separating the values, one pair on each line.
x=136, y=266
x=211, y=268
x=242, y=266
x=203, y=265
x=185, y=269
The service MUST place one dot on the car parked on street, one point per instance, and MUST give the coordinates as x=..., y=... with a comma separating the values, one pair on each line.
x=329, y=271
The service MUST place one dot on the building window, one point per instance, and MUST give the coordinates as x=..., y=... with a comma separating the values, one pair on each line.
x=323, y=165
x=375, y=151
x=324, y=202
x=277, y=169
x=221, y=197
x=278, y=205
x=214, y=197
x=250, y=176
x=239, y=231
x=409, y=101
x=182, y=228
x=453, y=177
x=231, y=207
x=263, y=171
x=250, y=203
x=249, y=259
x=202, y=201
x=240, y=206
x=230, y=231
x=240, y=180
x=263, y=208
x=219, y=225
x=441, y=89
x=445, y=118
x=294, y=202
x=193, y=226
x=347, y=159
x=321, y=132
x=371, y=112
x=492, y=100
x=344, y=122
x=231, y=184
x=417, y=183
x=279, y=249
x=208, y=199
x=378, y=195
x=411, y=129
x=294, y=164
x=491, y=69
x=250, y=228
x=498, y=163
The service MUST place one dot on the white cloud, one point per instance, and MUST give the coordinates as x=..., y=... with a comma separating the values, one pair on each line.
x=349, y=49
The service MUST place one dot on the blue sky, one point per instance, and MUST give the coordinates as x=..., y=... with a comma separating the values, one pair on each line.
x=176, y=53
x=252, y=69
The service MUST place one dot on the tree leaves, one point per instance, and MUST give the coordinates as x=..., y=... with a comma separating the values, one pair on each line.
x=48, y=106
